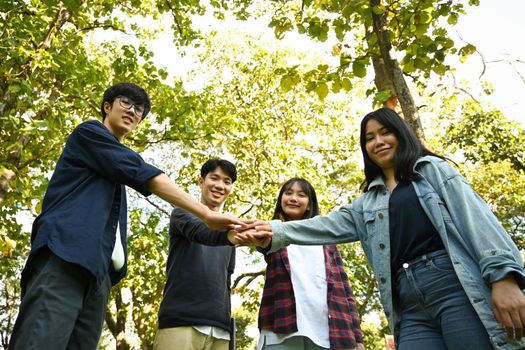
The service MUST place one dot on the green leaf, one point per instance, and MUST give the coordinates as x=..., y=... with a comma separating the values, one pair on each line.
x=379, y=9
x=321, y=90
x=347, y=84
x=359, y=69
x=286, y=83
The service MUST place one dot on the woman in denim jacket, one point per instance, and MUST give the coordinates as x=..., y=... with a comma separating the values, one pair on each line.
x=449, y=275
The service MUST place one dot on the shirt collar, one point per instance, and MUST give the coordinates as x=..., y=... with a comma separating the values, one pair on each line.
x=379, y=181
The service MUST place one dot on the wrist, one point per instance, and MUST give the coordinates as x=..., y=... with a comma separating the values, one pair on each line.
x=505, y=281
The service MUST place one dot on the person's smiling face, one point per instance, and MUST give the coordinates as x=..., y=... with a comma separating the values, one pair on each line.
x=216, y=187
x=294, y=202
x=120, y=120
x=381, y=144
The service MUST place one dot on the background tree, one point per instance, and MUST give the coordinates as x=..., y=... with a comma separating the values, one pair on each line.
x=277, y=112
x=398, y=38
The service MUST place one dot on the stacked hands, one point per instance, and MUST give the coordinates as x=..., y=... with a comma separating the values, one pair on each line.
x=252, y=232
x=241, y=232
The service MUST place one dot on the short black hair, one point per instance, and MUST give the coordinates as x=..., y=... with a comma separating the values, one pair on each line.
x=313, y=204
x=214, y=163
x=129, y=90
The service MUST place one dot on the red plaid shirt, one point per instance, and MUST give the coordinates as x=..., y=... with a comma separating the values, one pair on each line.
x=278, y=314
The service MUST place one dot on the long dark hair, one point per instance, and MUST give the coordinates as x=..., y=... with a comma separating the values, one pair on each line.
x=409, y=147
x=313, y=205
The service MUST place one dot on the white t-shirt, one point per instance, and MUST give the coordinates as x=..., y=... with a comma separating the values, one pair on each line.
x=117, y=257
x=215, y=332
x=308, y=273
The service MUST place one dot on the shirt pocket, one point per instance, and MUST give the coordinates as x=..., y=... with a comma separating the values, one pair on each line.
x=437, y=207
x=369, y=218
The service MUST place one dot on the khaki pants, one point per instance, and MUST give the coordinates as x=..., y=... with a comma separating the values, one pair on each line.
x=187, y=338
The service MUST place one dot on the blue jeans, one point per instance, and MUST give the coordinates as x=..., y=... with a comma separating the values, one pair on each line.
x=436, y=314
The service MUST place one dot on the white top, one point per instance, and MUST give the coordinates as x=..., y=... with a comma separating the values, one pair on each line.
x=215, y=332
x=308, y=272
x=117, y=257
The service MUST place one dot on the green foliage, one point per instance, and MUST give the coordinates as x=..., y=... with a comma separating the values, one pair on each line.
x=243, y=319
x=489, y=137
x=504, y=189
x=416, y=28
x=275, y=119
x=495, y=150
x=148, y=246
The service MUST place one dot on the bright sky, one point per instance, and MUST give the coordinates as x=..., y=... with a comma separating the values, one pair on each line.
x=496, y=28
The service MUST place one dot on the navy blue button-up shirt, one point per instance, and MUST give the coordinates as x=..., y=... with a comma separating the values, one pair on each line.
x=86, y=199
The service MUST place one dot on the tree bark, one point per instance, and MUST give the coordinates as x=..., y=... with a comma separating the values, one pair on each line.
x=117, y=323
x=388, y=72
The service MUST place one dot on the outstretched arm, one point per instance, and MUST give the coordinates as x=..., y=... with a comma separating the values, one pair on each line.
x=165, y=188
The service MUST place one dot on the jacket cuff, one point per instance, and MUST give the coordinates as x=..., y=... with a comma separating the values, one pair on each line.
x=498, y=264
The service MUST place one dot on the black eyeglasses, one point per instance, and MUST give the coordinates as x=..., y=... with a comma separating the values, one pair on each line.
x=126, y=103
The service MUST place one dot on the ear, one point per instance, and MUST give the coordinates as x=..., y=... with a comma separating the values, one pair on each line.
x=107, y=107
x=201, y=182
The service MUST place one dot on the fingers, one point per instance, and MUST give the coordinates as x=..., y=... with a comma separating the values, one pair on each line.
x=511, y=321
x=509, y=307
x=252, y=238
x=251, y=232
x=263, y=226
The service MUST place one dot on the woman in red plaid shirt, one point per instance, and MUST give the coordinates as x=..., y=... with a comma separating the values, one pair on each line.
x=307, y=302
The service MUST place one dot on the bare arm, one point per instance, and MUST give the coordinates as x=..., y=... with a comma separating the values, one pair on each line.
x=165, y=188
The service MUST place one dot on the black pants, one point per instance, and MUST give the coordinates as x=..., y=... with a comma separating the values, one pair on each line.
x=61, y=307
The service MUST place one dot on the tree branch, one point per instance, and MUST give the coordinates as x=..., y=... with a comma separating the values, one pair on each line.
x=157, y=206
x=512, y=65
x=250, y=276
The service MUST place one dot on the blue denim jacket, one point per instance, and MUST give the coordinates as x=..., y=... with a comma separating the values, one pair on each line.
x=481, y=250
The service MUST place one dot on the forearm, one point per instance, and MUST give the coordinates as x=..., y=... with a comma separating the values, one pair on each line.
x=162, y=186
x=334, y=228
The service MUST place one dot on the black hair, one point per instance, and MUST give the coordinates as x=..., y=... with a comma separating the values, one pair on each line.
x=409, y=147
x=129, y=90
x=313, y=205
x=214, y=163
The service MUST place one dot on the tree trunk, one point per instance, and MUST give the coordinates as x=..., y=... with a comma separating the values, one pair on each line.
x=117, y=323
x=389, y=74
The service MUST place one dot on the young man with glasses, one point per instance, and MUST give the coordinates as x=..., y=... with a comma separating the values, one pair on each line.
x=78, y=248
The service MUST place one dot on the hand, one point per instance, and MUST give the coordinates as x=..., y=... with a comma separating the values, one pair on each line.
x=237, y=238
x=249, y=224
x=253, y=238
x=508, y=303
x=216, y=220
x=360, y=346
x=263, y=227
